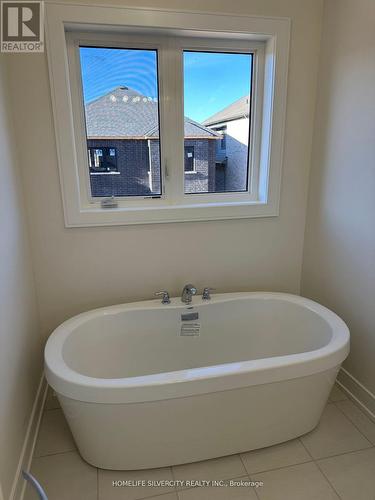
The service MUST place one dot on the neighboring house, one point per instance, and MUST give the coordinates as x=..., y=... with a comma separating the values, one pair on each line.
x=123, y=147
x=232, y=123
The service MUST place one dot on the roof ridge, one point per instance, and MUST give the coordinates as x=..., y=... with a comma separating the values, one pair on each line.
x=201, y=126
x=221, y=112
x=106, y=118
x=114, y=90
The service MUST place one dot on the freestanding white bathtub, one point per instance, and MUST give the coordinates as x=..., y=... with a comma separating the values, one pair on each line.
x=249, y=370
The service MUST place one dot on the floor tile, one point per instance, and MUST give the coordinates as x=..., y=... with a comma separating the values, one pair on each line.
x=216, y=469
x=64, y=477
x=168, y=496
x=352, y=475
x=335, y=434
x=359, y=419
x=219, y=492
x=109, y=492
x=273, y=457
x=52, y=403
x=54, y=434
x=337, y=394
x=298, y=482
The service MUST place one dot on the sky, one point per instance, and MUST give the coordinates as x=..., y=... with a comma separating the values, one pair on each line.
x=212, y=80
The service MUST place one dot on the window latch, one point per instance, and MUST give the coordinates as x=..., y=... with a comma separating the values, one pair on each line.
x=166, y=170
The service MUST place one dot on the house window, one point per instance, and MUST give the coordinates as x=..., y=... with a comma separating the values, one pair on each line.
x=222, y=131
x=223, y=142
x=102, y=159
x=189, y=159
x=145, y=100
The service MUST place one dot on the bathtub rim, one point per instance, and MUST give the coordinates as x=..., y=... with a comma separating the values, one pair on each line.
x=188, y=382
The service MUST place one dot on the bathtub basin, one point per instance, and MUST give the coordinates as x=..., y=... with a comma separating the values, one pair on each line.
x=146, y=385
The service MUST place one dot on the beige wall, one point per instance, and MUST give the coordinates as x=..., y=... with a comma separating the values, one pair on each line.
x=81, y=268
x=339, y=257
x=20, y=340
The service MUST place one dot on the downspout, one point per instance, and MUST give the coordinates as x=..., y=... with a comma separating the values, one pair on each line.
x=149, y=164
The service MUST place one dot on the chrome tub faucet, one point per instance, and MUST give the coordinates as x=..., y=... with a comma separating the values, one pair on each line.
x=187, y=293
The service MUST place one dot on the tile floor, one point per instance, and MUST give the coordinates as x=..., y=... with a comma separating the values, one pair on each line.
x=335, y=461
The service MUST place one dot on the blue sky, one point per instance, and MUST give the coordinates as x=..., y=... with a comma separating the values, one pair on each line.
x=211, y=80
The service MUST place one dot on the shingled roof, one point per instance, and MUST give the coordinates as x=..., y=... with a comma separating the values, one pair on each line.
x=238, y=109
x=124, y=112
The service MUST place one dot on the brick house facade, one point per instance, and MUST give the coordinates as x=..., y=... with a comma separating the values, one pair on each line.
x=124, y=153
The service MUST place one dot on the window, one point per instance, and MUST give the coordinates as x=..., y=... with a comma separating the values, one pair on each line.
x=222, y=131
x=213, y=97
x=102, y=160
x=223, y=142
x=122, y=119
x=171, y=122
x=189, y=159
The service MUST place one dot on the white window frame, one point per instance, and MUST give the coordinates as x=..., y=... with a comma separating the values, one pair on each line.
x=169, y=32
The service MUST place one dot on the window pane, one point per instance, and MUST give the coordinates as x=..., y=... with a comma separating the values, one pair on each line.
x=120, y=91
x=217, y=97
x=189, y=158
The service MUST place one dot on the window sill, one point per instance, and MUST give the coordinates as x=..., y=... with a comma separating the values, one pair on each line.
x=97, y=216
x=105, y=173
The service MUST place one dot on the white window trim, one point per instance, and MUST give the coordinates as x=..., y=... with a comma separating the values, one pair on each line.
x=271, y=33
x=104, y=173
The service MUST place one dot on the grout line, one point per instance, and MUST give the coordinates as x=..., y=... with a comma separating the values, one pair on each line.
x=175, y=487
x=254, y=489
x=174, y=479
x=352, y=421
x=282, y=467
x=306, y=449
x=315, y=462
x=248, y=474
x=243, y=463
x=336, y=454
x=327, y=479
x=341, y=454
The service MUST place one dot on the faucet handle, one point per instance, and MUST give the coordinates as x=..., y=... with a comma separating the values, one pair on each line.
x=206, y=293
x=164, y=295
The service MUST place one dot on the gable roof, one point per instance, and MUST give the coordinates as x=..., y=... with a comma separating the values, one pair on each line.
x=124, y=112
x=238, y=109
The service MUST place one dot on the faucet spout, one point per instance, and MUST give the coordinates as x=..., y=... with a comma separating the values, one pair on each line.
x=187, y=293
